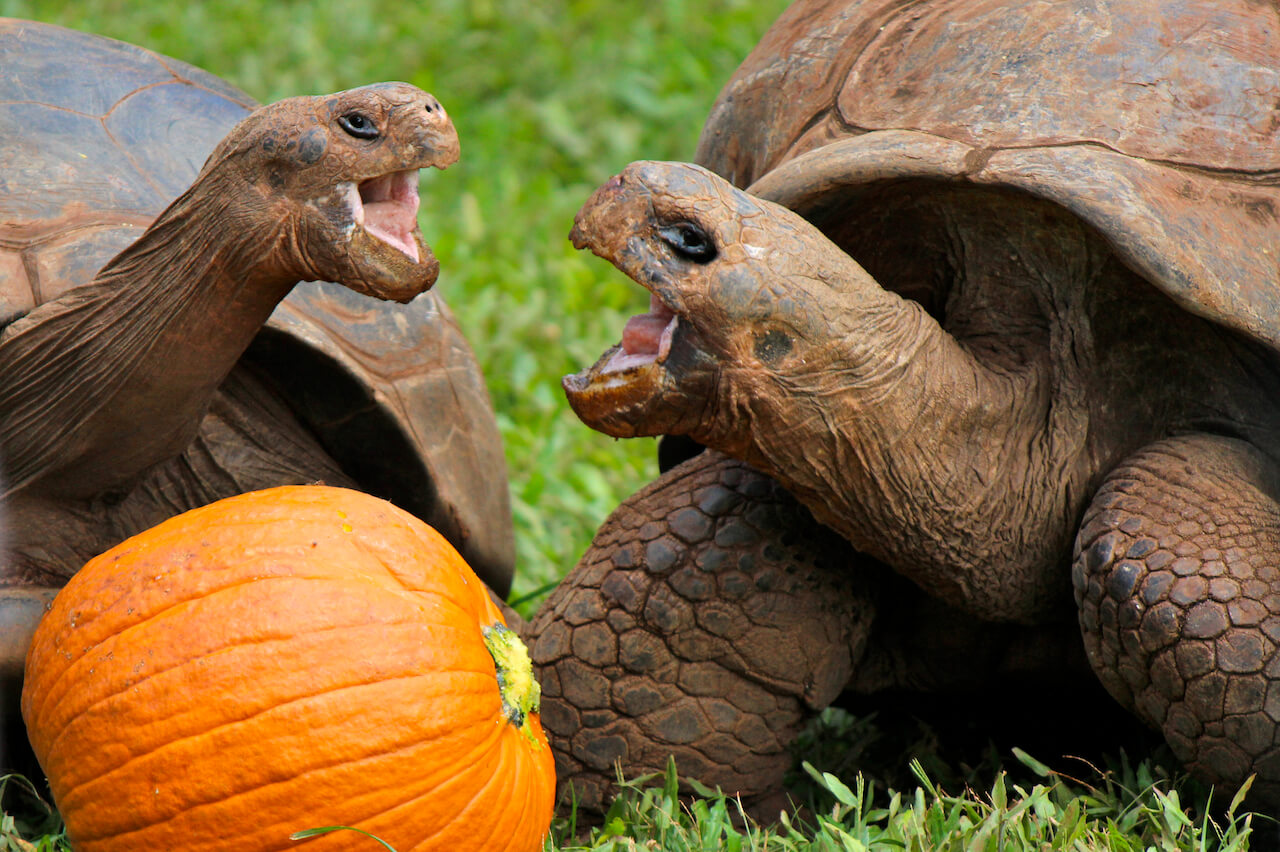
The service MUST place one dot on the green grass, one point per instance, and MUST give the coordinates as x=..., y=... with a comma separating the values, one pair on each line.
x=1126, y=809
x=550, y=99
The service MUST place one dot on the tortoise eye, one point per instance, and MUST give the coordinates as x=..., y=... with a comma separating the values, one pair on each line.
x=689, y=241
x=358, y=125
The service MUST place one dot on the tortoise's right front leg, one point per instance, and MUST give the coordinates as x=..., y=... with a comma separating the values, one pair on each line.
x=1177, y=575
x=706, y=621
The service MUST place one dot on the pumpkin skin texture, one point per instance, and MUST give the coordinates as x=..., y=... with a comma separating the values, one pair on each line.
x=285, y=659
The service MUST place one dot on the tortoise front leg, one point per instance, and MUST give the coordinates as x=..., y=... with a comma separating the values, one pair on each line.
x=1177, y=576
x=707, y=621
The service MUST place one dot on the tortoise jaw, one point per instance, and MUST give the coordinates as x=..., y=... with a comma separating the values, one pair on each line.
x=384, y=244
x=613, y=396
x=646, y=338
x=641, y=385
x=639, y=353
x=649, y=383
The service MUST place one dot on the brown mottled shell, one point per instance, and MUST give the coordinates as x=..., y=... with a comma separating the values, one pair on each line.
x=98, y=136
x=1155, y=121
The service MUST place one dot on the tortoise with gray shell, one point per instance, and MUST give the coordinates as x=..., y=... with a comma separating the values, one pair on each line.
x=156, y=353
x=986, y=358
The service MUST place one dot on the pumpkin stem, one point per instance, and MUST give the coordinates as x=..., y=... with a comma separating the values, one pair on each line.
x=521, y=694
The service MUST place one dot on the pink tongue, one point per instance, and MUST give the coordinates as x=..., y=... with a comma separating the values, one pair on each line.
x=643, y=332
x=391, y=210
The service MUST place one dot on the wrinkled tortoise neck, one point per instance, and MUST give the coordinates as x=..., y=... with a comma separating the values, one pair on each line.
x=889, y=420
x=170, y=315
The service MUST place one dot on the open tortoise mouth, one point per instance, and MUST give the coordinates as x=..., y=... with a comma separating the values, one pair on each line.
x=631, y=369
x=623, y=392
x=615, y=394
x=642, y=384
x=387, y=207
x=646, y=339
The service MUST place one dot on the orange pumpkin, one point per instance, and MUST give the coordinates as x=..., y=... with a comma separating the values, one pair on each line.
x=292, y=658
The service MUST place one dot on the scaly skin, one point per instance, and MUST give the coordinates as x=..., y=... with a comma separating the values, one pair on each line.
x=961, y=445
x=712, y=616
x=1178, y=583
x=709, y=619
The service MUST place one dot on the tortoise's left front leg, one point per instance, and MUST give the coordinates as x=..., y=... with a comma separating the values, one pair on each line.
x=710, y=617
x=1177, y=576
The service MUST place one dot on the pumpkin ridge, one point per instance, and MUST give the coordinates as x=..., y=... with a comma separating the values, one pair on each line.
x=452, y=772
x=398, y=575
x=113, y=632
x=218, y=799
x=520, y=761
x=535, y=788
x=111, y=629
x=292, y=703
x=495, y=767
x=373, y=679
x=237, y=578
x=449, y=770
x=510, y=772
x=513, y=771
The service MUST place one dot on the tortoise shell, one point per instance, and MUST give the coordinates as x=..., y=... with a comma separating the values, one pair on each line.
x=1154, y=121
x=99, y=136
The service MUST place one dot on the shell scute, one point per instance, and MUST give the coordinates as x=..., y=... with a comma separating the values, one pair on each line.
x=1154, y=121
x=89, y=159
x=44, y=76
x=180, y=144
x=69, y=174
x=1106, y=83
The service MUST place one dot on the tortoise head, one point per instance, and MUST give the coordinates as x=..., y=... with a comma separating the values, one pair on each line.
x=742, y=294
x=339, y=174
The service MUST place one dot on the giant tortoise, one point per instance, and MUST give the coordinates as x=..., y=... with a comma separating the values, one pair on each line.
x=999, y=307
x=156, y=354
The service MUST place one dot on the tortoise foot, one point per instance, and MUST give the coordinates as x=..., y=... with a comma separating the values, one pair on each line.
x=706, y=622
x=1177, y=576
